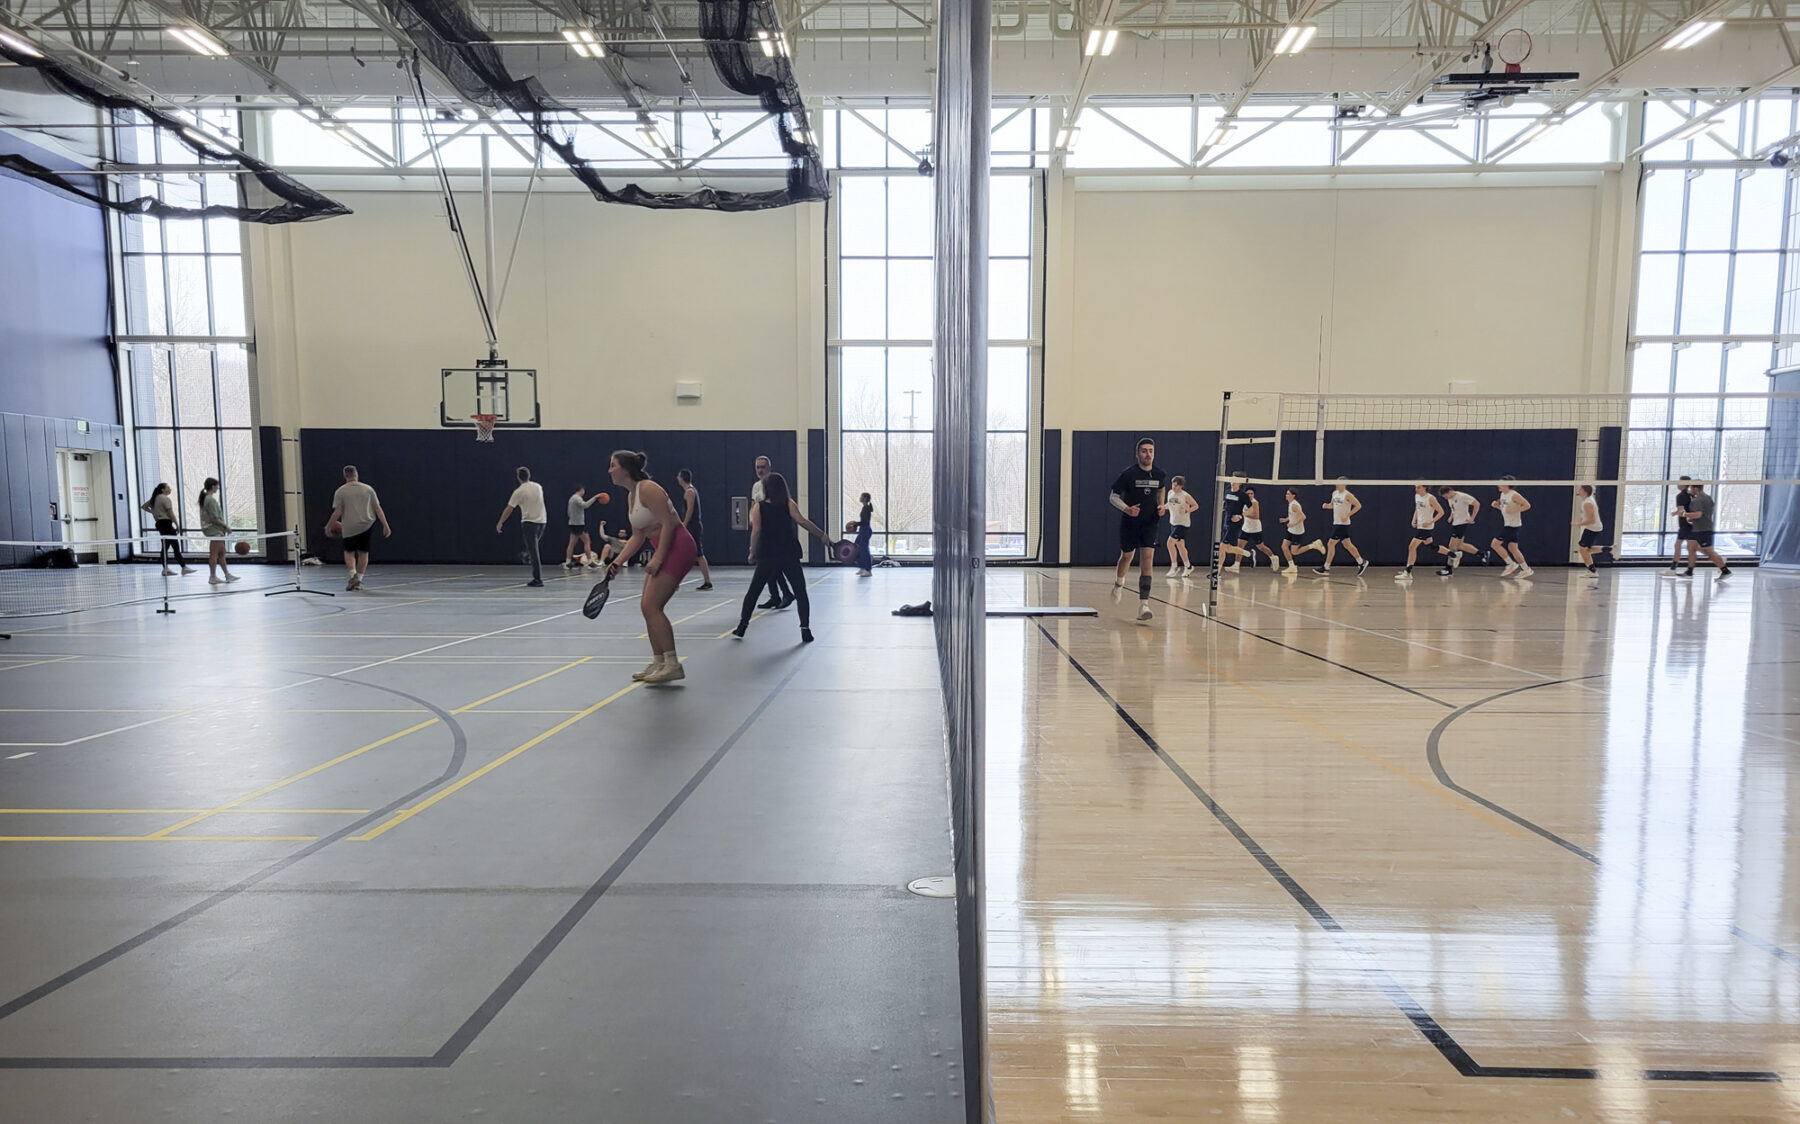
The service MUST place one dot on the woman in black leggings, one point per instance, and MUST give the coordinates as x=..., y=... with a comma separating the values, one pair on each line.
x=772, y=523
x=161, y=507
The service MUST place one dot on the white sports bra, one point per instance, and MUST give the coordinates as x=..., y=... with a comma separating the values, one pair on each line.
x=641, y=517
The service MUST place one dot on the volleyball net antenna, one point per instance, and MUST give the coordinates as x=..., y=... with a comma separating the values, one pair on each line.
x=1633, y=450
x=52, y=578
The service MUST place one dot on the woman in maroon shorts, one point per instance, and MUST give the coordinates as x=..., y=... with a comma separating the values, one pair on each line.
x=654, y=520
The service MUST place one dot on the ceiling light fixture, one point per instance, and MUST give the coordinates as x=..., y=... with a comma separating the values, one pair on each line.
x=19, y=46
x=1295, y=38
x=772, y=44
x=1066, y=136
x=654, y=138
x=1691, y=34
x=1101, y=41
x=585, y=42
x=200, y=42
x=1220, y=134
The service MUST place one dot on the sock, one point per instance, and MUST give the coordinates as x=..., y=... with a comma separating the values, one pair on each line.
x=668, y=658
x=1456, y=560
x=1143, y=588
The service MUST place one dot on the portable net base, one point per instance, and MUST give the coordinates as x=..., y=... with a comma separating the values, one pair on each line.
x=1632, y=449
x=484, y=426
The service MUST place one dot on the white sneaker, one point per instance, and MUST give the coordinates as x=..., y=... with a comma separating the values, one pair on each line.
x=185, y=570
x=1143, y=610
x=1231, y=569
x=1317, y=544
x=1511, y=568
x=168, y=573
x=232, y=578
x=864, y=574
x=1526, y=571
x=667, y=673
x=215, y=580
x=356, y=581
x=350, y=583
x=650, y=669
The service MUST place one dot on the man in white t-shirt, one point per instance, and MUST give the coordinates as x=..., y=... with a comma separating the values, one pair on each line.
x=1462, y=508
x=355, y=509
x=1343, y=504
x=528, y=499
x=1512, y=508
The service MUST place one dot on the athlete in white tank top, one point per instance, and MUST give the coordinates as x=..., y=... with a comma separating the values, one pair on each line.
x=1343, y=504
x=1426, y=512
x=1295, y=543
x=1462, y=507
x=1512, y=508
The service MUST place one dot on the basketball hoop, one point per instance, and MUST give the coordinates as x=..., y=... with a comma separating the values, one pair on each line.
x=484, y=426
x=1514, y=48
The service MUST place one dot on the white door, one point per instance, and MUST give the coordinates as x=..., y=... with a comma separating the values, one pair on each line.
x=79, y=510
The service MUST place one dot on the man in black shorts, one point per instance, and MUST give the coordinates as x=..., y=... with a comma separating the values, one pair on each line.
x=1138, y=493
x=1684, y=531
x=355, y=511
x=1231, y=529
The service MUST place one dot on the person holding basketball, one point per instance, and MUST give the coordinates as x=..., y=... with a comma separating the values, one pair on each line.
x=776, y=516
x=865, y=532
x=578, y=532
x=355, y=509
x=654, y=521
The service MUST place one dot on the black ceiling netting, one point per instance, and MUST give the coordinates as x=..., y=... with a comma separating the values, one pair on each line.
x=265, y=194
x=462, y=51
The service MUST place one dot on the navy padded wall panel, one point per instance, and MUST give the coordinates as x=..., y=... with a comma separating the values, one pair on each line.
x=815, y=498
x=443, y=491
x=1050, y=499
x=1098, y=456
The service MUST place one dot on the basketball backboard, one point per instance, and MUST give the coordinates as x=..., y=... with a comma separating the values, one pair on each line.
x=508, y=393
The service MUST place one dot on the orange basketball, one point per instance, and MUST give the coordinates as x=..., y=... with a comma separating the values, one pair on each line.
x=604, y=498
x=243, y=547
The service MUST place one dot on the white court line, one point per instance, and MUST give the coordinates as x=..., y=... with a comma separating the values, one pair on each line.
x=273, y=690
x=16, y=756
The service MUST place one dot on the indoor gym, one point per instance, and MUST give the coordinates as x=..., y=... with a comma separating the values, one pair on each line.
x=282, y=840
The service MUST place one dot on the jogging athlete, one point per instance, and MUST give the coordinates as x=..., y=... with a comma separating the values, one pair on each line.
x=1343, y=504
x=1138, y=493
x=1512, y=508
x=1296, y=542
x=1426, y=513
x=1463, y=508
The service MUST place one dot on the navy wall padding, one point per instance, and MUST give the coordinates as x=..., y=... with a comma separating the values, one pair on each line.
x=1050, y=499
x=1096, y=458
x=274, y=490
x=442, y=490
x=28, y=445
x=1611, y=456
x=55, y=301
x=1781, y=461
x=1383, y=527
x=815, y=495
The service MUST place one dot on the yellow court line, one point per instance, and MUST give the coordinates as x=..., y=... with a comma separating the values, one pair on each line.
x=181, y=811
x=1404, y=774
x=159, y=839
x=689, y=617
x=405, y=814
x=316, y=769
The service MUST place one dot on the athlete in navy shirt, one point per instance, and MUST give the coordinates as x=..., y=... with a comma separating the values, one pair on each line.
x=1138, y=493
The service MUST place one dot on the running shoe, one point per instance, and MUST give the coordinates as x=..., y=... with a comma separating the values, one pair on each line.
x=233, y=578
x=168, y=573
x=1321, y=570
x=1445, y=571
x=1511, y=569
x=1316, y=544
x=770, y=603
x=1362, y=567
x=355, y=582
x=806, y=636
x=1687, y=573
x=535, y=583
x=785, y=602
x=1143, y=610
x=1403, y=575
x=1231, y=569
x=1526, y=571
x=666, y=673
x=215, y=581
x=1725, y=571
x=703, y=587
x=651, y=667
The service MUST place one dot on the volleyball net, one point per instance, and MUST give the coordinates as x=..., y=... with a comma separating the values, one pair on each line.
x=49, y=578
x=1633, y=450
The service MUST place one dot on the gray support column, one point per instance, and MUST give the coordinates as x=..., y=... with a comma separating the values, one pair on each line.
x=959, y=510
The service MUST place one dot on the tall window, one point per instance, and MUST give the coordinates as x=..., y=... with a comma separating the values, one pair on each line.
x=186, y=345
x=881, y=287
x=1708, y=284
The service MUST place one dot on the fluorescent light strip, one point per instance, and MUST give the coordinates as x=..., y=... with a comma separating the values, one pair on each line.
x=1220, y=134
x=1065, y=137
x=1691, y=34
x=1101, y=41
x=1295, y=38
x=19, y=46
x=584, y=42
x=772, y=45
x=200, y=42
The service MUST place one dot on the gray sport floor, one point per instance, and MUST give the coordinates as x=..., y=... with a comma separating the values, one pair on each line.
x=424, y=852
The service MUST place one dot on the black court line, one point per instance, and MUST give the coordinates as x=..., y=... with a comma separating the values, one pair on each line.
x=1427, y=1026
x=459, y=752
x=1309, y=655
x=1434, y=754
x=471, y=1028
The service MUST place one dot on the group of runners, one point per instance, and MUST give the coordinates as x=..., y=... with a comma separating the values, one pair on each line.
x=1443, y=528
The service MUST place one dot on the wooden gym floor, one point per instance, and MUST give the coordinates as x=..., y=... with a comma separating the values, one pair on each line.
x=1466, y=849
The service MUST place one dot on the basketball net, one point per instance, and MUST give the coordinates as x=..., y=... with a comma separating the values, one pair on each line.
x=484, y=426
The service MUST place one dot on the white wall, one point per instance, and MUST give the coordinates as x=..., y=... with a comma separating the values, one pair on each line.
x=1174, y=295
x=611, y=304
